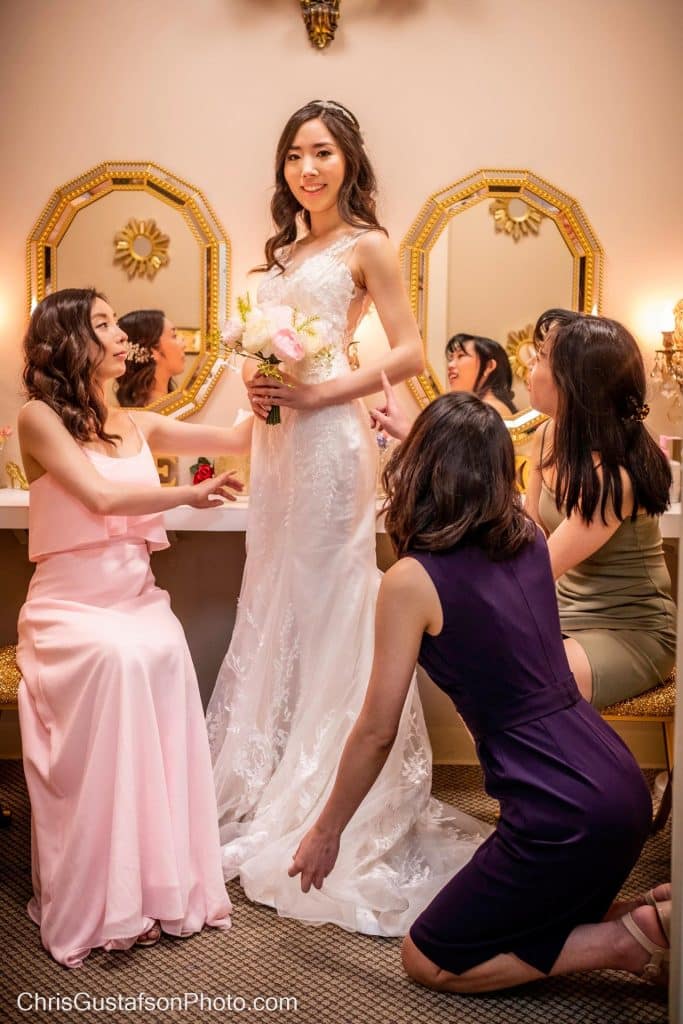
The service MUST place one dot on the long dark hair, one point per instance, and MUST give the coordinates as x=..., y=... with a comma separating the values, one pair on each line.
x=499, y=380
x=452, y=481
x=144, y=328
x=59, y=368
x=600, y=377
x=551, y=319
x=356, y=201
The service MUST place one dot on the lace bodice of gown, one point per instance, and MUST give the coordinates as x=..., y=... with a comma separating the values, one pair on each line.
x=320, y=285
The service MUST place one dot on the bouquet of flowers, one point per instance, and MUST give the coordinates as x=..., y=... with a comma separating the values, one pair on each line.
x=273, y=334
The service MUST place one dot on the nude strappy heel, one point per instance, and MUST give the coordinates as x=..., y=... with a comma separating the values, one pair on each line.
x=656, y=969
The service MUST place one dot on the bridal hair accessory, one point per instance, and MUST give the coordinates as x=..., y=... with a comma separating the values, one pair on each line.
x=274, y=334
x=138, y=353
x=637, y=410
x=331, y=105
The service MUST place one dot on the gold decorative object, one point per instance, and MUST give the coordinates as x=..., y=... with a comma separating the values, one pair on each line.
x=667, y=371
x=167, y=468
x=163, y=190
x=585, y=253
x=16, y=476
x=515, y=218
x=10, y=677
x=521, y=351
x=321, y=18
x=141, y=248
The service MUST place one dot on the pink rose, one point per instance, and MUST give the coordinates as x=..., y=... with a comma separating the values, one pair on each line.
x=287, y=345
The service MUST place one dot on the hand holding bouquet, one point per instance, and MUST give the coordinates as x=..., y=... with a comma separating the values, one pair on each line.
x=273, y=334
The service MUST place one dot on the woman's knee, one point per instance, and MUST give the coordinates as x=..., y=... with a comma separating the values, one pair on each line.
x=420, y=968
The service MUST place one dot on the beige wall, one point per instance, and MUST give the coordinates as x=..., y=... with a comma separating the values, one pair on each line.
x=584, y=93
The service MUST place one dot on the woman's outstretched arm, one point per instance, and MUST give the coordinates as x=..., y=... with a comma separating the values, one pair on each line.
x=48, y=447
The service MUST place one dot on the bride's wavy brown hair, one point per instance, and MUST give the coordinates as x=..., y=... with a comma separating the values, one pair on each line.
x=59, y=365
x=452, y=481
x=356, y=201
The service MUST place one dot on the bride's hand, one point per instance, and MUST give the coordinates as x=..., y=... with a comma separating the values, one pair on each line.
x=289, y=392
x=260, y=406
x=315, y=858
x=390, y=419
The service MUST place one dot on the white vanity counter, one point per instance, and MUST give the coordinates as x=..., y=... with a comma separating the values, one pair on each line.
x=229, y=518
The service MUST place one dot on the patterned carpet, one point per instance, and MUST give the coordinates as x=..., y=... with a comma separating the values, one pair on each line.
x=328, y=976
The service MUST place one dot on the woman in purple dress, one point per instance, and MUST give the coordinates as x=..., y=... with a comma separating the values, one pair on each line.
x=472, y=598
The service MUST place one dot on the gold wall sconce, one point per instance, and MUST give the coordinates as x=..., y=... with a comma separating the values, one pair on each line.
x=321, y=18
x=667, y=371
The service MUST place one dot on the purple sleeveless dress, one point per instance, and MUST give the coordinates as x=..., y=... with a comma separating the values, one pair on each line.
x=574, y=807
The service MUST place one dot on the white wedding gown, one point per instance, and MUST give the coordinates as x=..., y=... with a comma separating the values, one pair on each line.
x=294, y=678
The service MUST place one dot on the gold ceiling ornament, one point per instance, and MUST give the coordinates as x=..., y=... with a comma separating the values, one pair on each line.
x=521, y=351
x=141, y=248
x=515, y=218
x=321, y=18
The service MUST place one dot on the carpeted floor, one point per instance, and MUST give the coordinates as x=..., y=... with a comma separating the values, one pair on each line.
x=329, y=976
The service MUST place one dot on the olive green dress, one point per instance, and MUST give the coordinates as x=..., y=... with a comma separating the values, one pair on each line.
x=617, y=605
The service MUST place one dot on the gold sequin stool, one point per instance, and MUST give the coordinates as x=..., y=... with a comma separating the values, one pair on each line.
x=655, y=705
x=10, y=677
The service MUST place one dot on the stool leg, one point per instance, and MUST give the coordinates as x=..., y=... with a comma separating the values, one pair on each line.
x=669, y=744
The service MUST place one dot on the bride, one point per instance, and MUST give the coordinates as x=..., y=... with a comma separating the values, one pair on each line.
x=299, y=661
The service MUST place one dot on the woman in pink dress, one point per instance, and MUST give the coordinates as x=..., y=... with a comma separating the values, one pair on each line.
x=124, y=834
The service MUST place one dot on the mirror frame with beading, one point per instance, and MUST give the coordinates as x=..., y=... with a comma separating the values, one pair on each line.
x=541, y=196
x=42, y=258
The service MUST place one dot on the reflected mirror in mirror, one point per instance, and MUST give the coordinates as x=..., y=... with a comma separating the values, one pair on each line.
x=485, y=257
x=150, y=242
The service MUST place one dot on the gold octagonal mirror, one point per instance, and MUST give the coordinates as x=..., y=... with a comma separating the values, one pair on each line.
x=486, y=256
x=149, y=241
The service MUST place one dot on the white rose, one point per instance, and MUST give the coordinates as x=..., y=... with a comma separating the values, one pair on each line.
x=257, y=331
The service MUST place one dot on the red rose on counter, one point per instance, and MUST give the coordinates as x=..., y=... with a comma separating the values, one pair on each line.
x=202, y=470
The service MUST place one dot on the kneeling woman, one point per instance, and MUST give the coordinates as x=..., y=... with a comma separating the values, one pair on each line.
x=472, y=598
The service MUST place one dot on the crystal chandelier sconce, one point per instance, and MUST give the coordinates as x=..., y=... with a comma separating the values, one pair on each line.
x=667, y=371
x=321, y=18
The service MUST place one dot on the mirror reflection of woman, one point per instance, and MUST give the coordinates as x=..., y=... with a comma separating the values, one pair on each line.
x=155, y=358
x=481, y=366
x=477, y=365
x=124, y=835
x=301, y=650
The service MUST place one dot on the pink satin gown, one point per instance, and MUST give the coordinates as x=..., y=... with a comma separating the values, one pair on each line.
x=124, y=822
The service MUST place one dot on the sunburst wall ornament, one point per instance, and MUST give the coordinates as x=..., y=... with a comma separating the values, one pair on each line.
x=321, y=18
x=141, y=249
x=516, y=218
x=521, y=351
